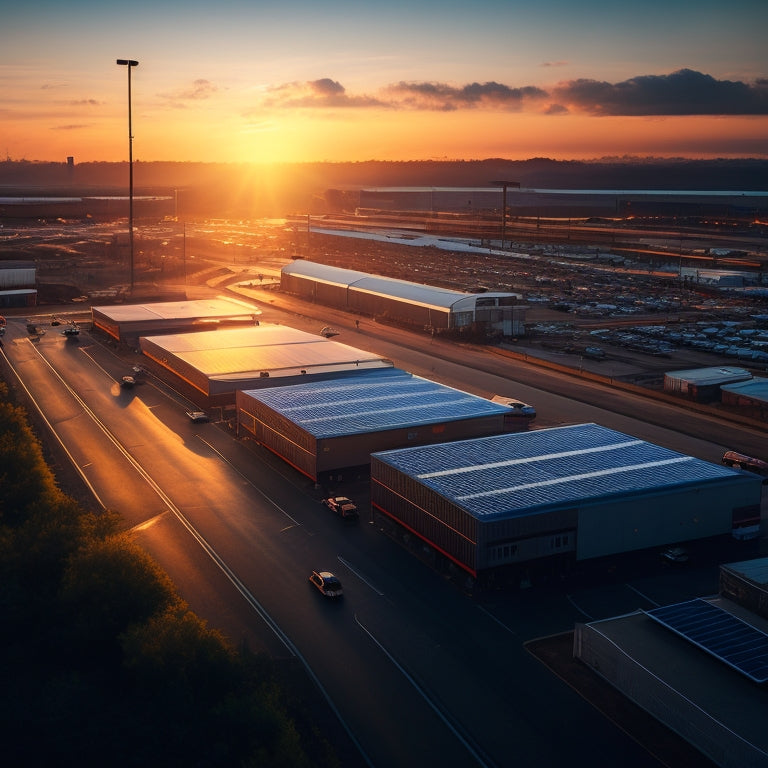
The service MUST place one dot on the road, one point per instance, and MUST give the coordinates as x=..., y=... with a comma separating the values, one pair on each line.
x=418, y=672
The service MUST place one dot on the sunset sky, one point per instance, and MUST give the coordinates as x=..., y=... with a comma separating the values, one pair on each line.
x=305, y=80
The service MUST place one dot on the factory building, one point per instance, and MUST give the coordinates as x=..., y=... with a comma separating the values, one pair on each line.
x=400, y=301
x=750, y=396
x=18, y=284
x=560, y=495
x=127, y=322
x=700, y=667
x=209, y=366
x=325, y=427
x=703, y=384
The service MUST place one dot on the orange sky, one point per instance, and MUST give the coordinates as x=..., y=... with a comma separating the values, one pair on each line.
x=343, y=81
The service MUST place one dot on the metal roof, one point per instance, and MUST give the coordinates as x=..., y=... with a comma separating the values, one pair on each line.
x=414, y=293
x=755, y=388
x=373, y=402
x=714, y=375
x=755, y=570
x=517, y=474
x=175, y=310
x=277, y=350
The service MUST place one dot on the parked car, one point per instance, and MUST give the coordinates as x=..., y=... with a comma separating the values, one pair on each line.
x=741, y=461
x=675, y=555
x=197, y=417
x=341, y=506
x=328, y=332
x=328, y=584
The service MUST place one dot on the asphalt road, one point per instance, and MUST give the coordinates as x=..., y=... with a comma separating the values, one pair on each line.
x=418, y=672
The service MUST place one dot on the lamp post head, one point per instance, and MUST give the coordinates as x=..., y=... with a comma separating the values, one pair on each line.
x=128, y=62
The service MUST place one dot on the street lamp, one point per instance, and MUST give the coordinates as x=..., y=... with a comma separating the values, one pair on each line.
x=504, y=185
x=129, y=63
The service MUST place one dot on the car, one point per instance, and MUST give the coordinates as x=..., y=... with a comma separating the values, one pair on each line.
x=341, y=506
x=750, y=463
x=675, y=555
x=328, y=584
x=328, y=332
x=127, y=382
x=197, y=417
x=71, y=330
x=522, y=410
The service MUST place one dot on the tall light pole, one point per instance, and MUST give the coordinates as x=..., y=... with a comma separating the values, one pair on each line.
x=504, y=185
x=129, y=63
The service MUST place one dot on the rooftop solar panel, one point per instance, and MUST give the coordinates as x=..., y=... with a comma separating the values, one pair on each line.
x=719, y=633
x=517, y=474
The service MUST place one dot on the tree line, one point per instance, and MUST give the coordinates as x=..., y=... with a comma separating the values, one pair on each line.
x=102, y=662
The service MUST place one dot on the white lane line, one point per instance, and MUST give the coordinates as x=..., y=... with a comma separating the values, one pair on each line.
x=480, y=760
x=359, y=575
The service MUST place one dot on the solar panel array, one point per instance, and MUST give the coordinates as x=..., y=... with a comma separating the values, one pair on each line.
x=373, y=402
x=524, y=472
x=719, y=633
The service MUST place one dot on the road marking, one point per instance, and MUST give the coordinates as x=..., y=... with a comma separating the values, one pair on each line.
x=454, y=730
x=359, y=575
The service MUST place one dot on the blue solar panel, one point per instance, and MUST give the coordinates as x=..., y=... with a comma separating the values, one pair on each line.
x=374, y=401
x=520, y=473
x=720, y=634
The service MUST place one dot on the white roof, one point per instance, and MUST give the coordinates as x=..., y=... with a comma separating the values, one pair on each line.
x=175, y=310
x=275, y=349
x=415, y=293
x=703, y=376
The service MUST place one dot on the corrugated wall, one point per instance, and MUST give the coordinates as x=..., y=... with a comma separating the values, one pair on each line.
x=429, y=516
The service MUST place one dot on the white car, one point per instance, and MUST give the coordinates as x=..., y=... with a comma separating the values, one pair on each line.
x=197, y=417
x=326, y=583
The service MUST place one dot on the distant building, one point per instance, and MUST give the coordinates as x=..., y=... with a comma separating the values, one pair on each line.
x=703, y=384
x=18, y=284
x=423, y=306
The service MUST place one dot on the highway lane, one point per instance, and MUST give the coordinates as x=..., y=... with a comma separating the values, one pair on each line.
x=266, y=549
x=419, y=673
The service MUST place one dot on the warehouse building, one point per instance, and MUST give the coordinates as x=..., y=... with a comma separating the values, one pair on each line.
x=750, y=396
x=703, y=384
x=209, y=366
x=558, y=495
x=18, y=284
x=423, y=306
x=700, y=667
x=127, y=322
x=322, y=427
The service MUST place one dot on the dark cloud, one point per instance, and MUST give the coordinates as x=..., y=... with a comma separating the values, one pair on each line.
x=447, y=98
x=322, y=93
x=684, y=92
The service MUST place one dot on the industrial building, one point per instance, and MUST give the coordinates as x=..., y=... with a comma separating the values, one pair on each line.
x=18, y=284
x=522, y=201
x=751, y=396
x=214, y=364
x=561, y=495
x=322, y=427
x=127, y=322
x=703, y=384
x=423, y=306
x=700, y=667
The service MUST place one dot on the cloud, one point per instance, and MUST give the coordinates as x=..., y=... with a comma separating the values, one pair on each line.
x=322, y=93
x=684, y=92
x=554, y=63
x=446, y=98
